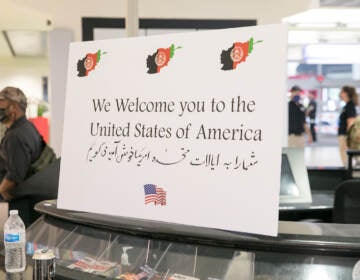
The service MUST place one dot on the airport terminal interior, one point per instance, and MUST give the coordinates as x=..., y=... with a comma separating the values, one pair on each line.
x=319, y=201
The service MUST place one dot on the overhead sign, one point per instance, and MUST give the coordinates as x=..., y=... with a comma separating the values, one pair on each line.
x=183, y=128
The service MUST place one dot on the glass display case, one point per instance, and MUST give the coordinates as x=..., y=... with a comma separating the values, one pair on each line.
x=92, y=246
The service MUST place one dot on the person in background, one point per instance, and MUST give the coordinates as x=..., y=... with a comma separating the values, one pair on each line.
x=21, y=144
x=297, y=121
x=346, y=118
x=311, y=112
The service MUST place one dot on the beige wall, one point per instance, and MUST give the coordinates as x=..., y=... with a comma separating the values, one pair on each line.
x=25, y=74
x=66, y=14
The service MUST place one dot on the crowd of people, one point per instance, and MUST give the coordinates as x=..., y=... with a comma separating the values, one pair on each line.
x=300, y=129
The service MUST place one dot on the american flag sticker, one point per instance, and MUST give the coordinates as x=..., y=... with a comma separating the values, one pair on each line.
x=154, y=194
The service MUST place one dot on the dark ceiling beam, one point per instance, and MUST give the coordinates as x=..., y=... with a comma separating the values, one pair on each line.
x=7, y=39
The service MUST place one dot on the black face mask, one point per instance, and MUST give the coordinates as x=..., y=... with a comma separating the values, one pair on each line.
x=3, y=115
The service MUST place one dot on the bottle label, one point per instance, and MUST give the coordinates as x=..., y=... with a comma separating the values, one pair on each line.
x=11, y=237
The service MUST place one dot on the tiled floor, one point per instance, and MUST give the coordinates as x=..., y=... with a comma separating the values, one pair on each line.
x=318, y=156
x=324, y=152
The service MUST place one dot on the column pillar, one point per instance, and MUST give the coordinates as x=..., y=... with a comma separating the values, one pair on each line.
x=132, y=18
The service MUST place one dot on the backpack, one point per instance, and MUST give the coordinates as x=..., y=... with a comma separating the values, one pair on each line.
x=47, y=156
x=353, y=135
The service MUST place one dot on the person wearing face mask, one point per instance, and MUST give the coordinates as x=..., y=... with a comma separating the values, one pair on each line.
x=21, y=144
x=297, y=121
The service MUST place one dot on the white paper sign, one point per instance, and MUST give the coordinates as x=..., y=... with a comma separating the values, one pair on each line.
x=183, y=128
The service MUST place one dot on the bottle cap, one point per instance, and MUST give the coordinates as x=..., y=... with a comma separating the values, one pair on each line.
x=14, y=212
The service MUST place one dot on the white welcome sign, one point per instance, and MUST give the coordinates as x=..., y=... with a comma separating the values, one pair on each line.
x=183, y=128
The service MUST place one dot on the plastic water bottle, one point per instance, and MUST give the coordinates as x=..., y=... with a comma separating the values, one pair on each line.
x=14, y=240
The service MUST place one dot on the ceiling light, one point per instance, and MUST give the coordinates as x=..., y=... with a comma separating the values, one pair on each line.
x=326, y=16
x=332, y=53
x=27, y=43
